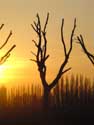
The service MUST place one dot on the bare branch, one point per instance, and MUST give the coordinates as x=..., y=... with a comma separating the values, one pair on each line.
x=35, y=43
x=47, y=57
x=3, y=60
x=46, y=22
x=64, y=63
x=45, y=44
x=41, y=55
x=34, y=28
x=33, y=60
x=33, y=53
x=6, y=40
x=89, y=55
x=9, y=51
x=1, y=26
x=72, y=35
x=36, y=25
x=7, y=54
x=66, y=70
x=62, y=37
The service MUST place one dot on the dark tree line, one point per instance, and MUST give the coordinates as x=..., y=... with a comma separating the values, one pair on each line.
x=71, y=91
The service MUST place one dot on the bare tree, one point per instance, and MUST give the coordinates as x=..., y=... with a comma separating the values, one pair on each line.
x=88, y=54
x=7, y=54
x=42, y=56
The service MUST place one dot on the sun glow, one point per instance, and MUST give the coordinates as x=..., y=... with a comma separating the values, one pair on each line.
x=7, y=74
x=3, y=71
x=11, y=73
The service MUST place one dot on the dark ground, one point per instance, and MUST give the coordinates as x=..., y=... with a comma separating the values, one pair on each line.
x=56, y=116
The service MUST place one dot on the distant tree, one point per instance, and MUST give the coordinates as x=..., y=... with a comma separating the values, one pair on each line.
x=7, y=54
x=42, y=56
x=88, y=54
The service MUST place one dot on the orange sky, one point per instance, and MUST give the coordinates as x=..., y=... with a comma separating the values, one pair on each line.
x=17, y=15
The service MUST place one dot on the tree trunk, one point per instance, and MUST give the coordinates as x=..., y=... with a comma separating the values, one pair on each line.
x=46, y=102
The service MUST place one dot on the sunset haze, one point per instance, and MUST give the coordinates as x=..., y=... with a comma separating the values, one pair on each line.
x=17, y=15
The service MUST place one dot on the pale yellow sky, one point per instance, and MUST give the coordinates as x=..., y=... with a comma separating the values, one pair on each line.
x=19, y=14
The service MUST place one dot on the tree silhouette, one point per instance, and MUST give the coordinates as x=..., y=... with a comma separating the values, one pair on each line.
x=42, y=56
x=89, y=55
x=7, y=54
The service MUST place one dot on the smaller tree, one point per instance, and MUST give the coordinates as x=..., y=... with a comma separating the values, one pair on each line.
x=7, y=54
x=42, y=56
x=88, y=54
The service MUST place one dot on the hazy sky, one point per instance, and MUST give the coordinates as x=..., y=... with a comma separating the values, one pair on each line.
x=17, y=15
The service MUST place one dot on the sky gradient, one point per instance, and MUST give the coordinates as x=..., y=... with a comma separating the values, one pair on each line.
x=17, y=15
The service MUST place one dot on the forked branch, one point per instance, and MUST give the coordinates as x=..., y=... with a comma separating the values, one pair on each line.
x=41, y=55
x=62, y=38
x=67, y=54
